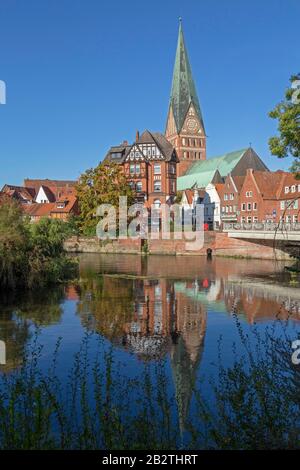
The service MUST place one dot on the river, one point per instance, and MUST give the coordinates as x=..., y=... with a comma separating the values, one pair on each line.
x=150, y=309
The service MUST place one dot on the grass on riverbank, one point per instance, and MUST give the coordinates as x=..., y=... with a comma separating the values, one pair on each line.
x=255, y=402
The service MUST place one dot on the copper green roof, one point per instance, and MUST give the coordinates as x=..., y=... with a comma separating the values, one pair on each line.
x=201, y=173
x=224, y=163
x=183, y=87
x=198, y=180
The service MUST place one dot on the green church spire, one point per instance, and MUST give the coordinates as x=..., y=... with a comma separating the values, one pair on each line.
x=183, y=87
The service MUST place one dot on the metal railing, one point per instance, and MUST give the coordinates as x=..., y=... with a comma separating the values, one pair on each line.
x=262, y=227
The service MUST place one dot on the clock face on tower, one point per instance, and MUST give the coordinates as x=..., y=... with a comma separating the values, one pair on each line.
x=192, y=124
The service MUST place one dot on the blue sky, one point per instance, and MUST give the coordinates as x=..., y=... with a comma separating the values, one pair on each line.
x=84, y=75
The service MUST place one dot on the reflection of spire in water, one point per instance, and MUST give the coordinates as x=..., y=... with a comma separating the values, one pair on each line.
x=186, y=354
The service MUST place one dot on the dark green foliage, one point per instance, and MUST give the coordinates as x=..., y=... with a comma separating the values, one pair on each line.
x=32, y=255
x=288, y=115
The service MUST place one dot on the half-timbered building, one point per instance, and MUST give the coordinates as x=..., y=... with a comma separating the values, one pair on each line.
x=150, y=166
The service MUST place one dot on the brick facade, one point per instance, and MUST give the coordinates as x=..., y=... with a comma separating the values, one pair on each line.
x=150, y=165
x=269, y=197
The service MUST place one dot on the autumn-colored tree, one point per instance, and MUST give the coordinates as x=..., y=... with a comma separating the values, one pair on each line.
x=288, y=114
x=101, y=185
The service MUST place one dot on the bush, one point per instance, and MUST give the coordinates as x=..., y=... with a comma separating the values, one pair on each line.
x=32, y=254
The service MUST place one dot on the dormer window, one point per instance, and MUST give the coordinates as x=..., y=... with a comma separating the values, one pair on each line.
x=60, y=205
x=286, y=190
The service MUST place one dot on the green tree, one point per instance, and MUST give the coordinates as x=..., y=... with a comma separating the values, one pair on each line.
x=14, y=244
x=287, y=112
x=101, y=185
x=31, y=255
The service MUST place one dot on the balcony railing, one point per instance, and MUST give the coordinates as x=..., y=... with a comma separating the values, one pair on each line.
x=259, y=227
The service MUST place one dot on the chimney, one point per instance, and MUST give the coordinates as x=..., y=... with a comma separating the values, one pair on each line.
x=137, y=136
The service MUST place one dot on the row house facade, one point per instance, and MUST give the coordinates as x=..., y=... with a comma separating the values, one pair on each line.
x=150, y=165
x=229, y=198
x=269, y=197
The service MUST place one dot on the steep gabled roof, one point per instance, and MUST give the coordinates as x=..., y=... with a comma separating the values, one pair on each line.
x=289, y=180
x=219, y=188
x=238, y=181
x=49, y=194
x=19, y=192
x=162, y=143
x=269, y=183
x=183, y=91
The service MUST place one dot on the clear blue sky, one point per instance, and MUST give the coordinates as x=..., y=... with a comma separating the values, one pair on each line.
x=82, y=75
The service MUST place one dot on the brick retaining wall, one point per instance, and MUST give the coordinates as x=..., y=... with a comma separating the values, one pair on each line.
x=219, y=242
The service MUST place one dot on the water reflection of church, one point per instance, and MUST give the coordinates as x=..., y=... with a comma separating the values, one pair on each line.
x=164, y=321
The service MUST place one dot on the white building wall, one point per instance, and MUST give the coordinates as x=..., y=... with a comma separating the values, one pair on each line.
x=212, y=206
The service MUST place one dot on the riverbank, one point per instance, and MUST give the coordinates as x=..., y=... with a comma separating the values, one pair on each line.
x=219, y=243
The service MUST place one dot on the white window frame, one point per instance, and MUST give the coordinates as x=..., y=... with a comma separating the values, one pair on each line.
x=157, y=165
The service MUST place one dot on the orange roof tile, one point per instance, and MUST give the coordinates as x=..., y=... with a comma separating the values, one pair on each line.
x=269, y=183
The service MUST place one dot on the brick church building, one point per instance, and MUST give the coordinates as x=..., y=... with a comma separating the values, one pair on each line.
x=185, y=127
x=157, y=165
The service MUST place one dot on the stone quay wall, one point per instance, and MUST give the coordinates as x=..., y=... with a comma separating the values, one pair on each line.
x=218, y=242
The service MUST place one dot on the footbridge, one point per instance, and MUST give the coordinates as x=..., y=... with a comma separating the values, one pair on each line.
x=283, y=236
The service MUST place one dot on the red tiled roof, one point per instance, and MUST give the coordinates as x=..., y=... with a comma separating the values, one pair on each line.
x=69, y=202
x=37, y=183
x=219, y=188
x=269, y=183
x=238, y=181
x=19, y=192
x=39, y=210
x=189, y=194
x=289, y=180
x=45, y=210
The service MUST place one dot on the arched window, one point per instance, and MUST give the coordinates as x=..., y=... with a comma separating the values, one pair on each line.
x=157, y=204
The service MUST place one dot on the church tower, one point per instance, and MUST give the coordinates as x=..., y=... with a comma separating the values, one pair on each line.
x=185, y=127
